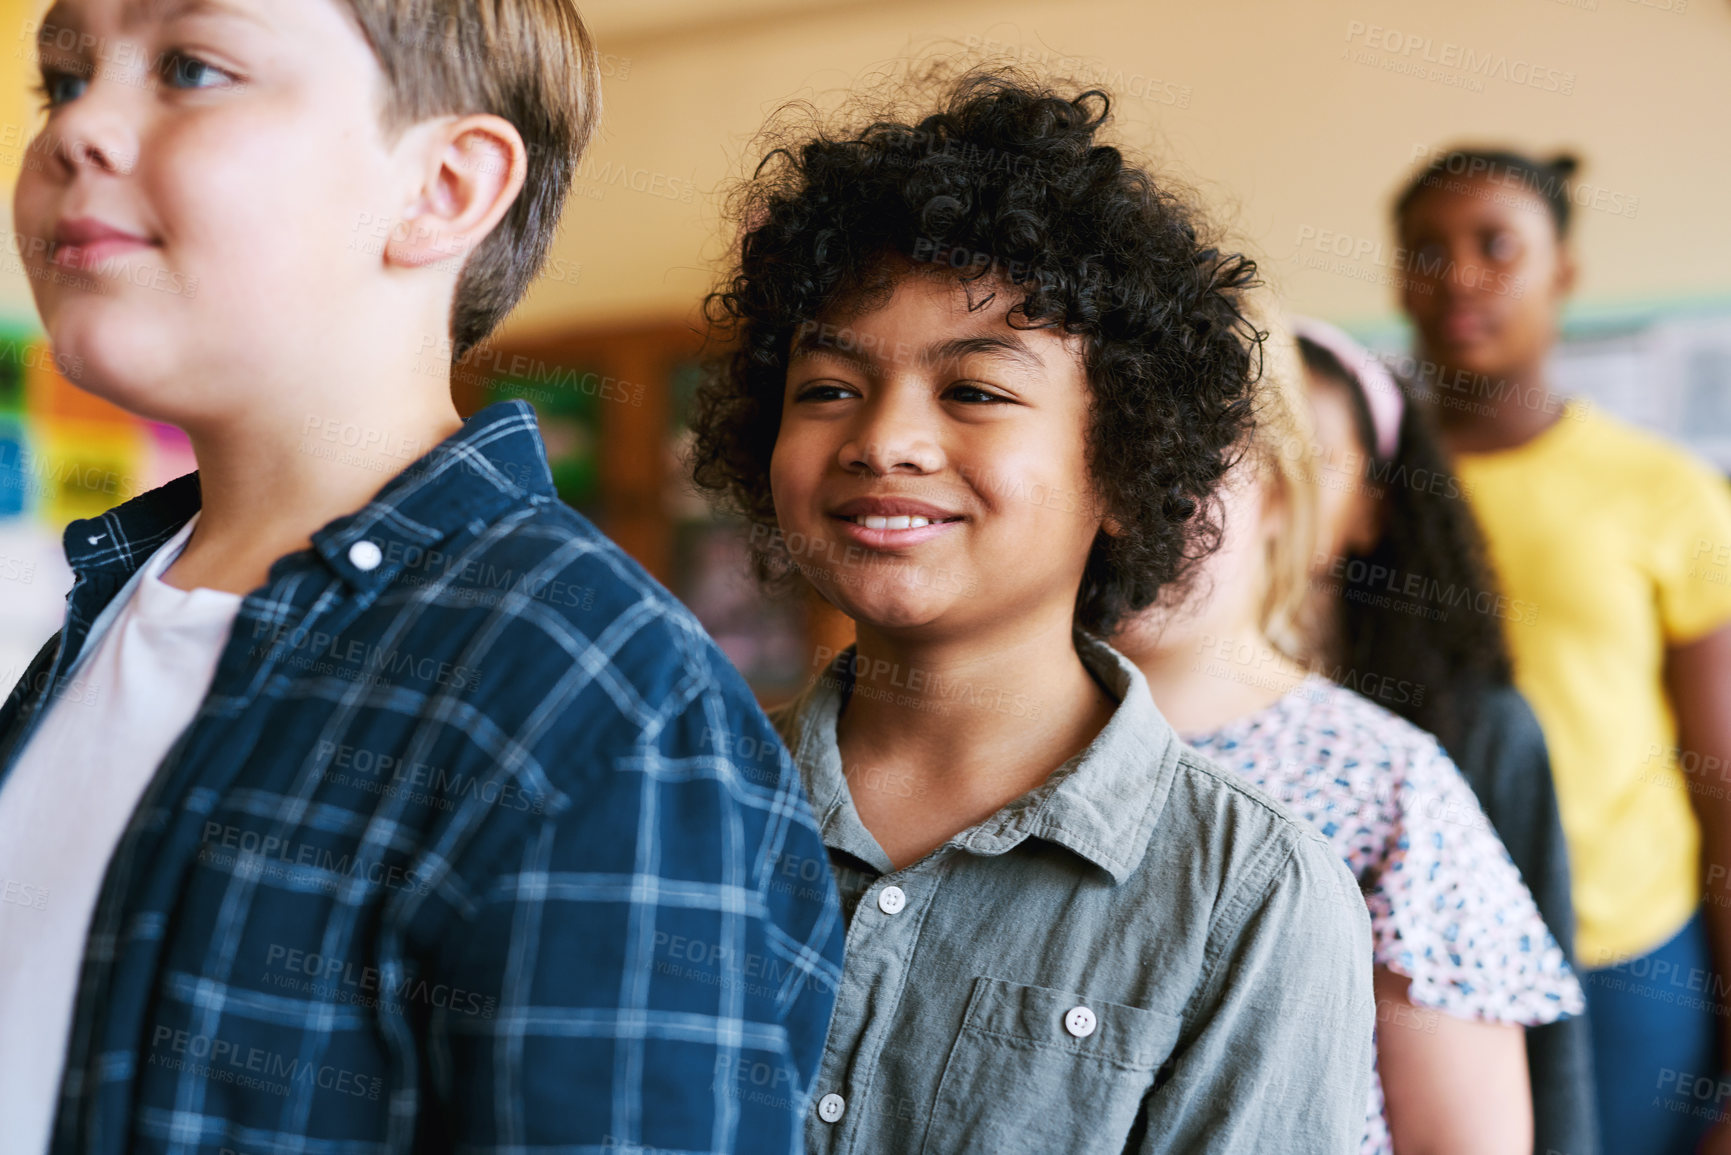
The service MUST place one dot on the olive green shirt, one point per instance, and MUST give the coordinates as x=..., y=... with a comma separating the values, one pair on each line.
x=1143, y=954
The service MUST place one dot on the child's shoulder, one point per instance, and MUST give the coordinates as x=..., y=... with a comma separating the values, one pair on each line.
x=1231, y=811
x=1322, y=725
x=1365, y=742
x=573, y=594
x=1209, y=824
x=1239, y=850
x=1611, y=455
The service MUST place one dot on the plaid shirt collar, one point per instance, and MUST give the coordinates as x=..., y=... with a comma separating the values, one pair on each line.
x=423, y=505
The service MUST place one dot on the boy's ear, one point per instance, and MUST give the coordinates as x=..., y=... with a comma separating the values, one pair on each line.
x=472, y=169
x=1110, y=523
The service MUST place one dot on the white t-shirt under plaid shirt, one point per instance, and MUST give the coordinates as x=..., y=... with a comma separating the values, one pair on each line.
x=64, y=805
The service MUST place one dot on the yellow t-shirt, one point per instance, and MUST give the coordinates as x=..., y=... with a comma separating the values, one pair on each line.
x=1620, y=545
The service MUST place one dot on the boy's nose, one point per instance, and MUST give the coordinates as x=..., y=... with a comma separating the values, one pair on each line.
x=890, y=439
x=91, y=133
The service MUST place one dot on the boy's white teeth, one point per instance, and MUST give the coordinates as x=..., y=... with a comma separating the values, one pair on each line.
x=899, y=522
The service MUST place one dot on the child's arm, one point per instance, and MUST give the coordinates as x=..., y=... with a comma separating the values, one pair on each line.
x=659, y=982
x=1453, y=1086
x=1280, y=1057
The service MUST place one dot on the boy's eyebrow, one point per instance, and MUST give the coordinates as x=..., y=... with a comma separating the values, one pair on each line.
x=56, y=18
x=811, y=342
x=858, y=350
x=167, y=10
x=956, y=348
x=144, y=11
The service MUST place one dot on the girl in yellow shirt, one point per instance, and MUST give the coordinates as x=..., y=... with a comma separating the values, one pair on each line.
x=1621, y=544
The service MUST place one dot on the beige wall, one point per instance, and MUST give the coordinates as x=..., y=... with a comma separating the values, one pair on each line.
x=1289, y=138
x=1252, y=100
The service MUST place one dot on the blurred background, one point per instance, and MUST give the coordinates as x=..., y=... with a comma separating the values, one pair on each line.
x=1297, y=122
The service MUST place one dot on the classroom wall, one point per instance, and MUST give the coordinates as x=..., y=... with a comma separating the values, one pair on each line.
x=1284, y=114
x=1290, y=117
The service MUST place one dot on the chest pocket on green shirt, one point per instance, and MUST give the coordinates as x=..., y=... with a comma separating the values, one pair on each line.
x=1036, y=1071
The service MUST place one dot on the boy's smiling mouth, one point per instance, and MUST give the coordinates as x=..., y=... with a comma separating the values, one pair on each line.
x=82, y=242
x=892, y=521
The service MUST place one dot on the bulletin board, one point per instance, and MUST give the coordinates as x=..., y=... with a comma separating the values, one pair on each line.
x=64, y=455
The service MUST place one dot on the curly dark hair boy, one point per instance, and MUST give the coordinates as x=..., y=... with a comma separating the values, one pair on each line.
x=1009, y=188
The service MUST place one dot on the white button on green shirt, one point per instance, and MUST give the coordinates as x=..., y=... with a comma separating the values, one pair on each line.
x=1144, y=954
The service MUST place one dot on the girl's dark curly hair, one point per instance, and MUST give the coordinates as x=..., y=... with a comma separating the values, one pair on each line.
x=1008, y=185
x=1429, y=532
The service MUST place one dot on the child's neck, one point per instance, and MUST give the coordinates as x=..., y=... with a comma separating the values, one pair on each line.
x=938, y=736
x=1526, y=408
x=1204, y=678
x=269, y=483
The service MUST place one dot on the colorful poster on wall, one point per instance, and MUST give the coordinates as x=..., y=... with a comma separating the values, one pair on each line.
x=63, y=455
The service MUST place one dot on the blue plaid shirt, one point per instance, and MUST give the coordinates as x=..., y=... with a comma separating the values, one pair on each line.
x=477, y=843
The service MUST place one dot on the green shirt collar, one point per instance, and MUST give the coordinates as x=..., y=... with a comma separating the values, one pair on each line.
x=1102, y=804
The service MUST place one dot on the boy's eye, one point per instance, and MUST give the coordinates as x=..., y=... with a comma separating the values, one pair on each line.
x=972, y=394
x=824, y=391
x=59, y=87
x=180, y=70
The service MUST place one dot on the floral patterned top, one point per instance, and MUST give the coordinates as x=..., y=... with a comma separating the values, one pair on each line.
x=1448, y=909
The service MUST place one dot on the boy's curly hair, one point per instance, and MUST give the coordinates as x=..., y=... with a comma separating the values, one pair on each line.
x=1008, y=185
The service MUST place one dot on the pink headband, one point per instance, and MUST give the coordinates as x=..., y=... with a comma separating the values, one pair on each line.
x=1375, y=384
